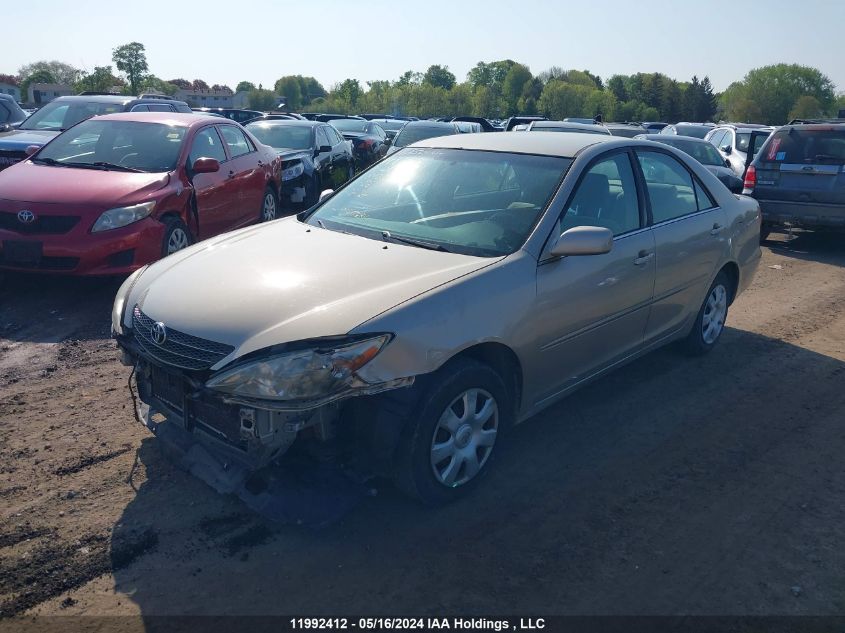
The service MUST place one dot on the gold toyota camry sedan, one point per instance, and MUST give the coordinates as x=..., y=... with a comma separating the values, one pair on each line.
x=455, y=288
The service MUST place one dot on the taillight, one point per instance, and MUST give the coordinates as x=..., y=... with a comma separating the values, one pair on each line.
x=365, y=144
x=750, y=179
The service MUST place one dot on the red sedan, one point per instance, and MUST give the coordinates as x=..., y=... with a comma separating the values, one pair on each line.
x=119, y=191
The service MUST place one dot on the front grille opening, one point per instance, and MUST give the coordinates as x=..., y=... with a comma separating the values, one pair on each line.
x=179, y=349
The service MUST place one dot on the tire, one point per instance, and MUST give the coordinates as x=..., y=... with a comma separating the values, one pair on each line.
x=312, y=192
x=466, y=450
x=765, y=231
x=176, y=236
x=710, y=322
x=269, y=206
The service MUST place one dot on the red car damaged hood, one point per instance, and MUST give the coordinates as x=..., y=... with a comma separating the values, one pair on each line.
x=28, y=182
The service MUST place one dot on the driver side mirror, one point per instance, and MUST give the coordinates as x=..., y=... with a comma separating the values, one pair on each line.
x=387, y=141
x=31, y=149
x=583, y=240
x=324, y=149
x=327, y=193
x=205, y=166
x=726, y=149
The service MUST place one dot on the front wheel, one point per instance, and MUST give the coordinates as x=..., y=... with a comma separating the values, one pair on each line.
x=710, y=322
x=448, y=444
x=176, y=236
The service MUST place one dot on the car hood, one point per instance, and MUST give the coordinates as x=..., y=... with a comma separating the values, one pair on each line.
x=29, y=182
x=287, y=281
x=19, y=140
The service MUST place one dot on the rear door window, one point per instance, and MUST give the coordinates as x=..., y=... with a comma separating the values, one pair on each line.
x=669, y=186
x=235, y=141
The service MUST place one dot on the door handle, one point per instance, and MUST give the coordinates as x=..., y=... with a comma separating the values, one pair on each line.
x=643, y=258
x=717, y=228
x=231, y=174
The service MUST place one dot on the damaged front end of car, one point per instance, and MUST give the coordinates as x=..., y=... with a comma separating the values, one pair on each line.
x=247, y=413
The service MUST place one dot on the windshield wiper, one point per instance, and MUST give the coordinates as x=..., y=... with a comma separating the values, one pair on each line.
x=411, y=241
x=107, y=165
x=48, y=161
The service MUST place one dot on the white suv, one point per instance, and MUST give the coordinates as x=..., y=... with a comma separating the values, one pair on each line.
x=732, y=142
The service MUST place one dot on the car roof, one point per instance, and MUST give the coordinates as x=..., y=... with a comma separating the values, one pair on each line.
x=167, y=118
x=543, y=143
x=292, y=122
x=433, y=124
x=568, y=125
x=668, y=138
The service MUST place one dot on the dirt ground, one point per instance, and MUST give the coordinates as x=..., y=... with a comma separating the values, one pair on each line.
x=674, y=486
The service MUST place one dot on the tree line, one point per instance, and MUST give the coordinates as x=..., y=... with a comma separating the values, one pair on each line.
x=497, y=89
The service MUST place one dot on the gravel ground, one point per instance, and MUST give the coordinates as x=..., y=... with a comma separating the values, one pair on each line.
x=674, y=486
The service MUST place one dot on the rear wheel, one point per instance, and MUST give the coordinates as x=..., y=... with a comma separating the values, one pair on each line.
x=710, y=321
x=268, y=206
x=176, y=236
x=450, y=440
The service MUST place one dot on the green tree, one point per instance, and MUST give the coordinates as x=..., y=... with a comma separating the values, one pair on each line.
x=151, y=83
x=101, y=79
x=439, y=76
x=776, y=89
x=183, y=84
x=616, y=85
x=410, y=77
x=244, y=86
x=513, y=84
x=290, y=88
x=60, y=72
x=262, y=100
x=131, y=60
x=806, y=107
x=42, y=76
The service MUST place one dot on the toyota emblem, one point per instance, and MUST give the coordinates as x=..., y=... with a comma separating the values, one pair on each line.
x=159, y=333
x=26, y=217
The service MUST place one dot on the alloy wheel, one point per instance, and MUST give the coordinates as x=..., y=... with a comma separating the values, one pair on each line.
x=268, y=210
x=464, y=437
x=177, y=241
x=715, y=311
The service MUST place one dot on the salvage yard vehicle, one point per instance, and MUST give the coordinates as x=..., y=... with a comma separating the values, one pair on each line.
x=414, y=131
x=119, y=191
x=369, y=141
x=698, y=130
x=464, y=284
x=798, y=176
x=702, y=151
x=64, y=112
x=733, y=140
x=314, y=157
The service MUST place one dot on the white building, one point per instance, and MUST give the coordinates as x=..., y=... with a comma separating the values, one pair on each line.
x=40, y=94
x=9, y=89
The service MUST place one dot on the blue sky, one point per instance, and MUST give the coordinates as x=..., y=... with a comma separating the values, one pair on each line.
x=225, y=42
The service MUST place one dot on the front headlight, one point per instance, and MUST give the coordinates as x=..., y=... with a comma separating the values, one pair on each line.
x=302, y=374
x=121, y=216
x=293, y=172
x=120, y=301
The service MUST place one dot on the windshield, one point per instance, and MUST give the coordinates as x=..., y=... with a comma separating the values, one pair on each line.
x=60, y=115
x=282, y=136
x=350, y=125
x=129, y=145
x=697, y=131
x=742, y=139
x=413, y=133
x=390, y=124
x=704, y=152
x=472, y=202
x=806, y=146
